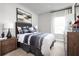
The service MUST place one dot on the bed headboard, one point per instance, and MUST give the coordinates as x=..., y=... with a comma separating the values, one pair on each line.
x=21, y=24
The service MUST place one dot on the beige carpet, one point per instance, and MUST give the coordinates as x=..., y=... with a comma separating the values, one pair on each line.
x=57, y=50
x=19, y=52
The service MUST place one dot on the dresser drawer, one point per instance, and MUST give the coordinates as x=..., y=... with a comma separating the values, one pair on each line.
x=73, y=44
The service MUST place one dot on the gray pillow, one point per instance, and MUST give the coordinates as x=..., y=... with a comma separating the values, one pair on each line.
x=25, y=29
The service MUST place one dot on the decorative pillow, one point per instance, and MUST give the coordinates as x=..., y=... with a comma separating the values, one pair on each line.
x=20, y=30
x=25, y=29
x=32, y=29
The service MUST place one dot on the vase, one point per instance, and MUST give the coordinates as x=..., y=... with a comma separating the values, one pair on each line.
x=2, y=35
x=9, y=34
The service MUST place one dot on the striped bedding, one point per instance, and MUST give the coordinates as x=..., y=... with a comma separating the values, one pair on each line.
x=42, y=41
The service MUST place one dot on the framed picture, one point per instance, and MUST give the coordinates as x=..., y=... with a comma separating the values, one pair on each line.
x=23, y=16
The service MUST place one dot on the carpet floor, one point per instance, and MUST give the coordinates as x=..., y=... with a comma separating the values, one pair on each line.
x=57, y=50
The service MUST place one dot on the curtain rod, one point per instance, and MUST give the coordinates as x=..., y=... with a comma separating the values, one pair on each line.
x=63, y=9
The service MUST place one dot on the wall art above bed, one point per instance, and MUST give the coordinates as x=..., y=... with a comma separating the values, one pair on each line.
x=23, y=16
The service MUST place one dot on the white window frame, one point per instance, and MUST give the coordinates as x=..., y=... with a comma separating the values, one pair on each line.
x=58, y=27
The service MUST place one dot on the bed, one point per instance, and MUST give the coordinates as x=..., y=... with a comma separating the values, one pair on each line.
x=30, y=40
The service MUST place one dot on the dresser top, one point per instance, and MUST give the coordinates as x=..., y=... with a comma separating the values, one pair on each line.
x=3, y=38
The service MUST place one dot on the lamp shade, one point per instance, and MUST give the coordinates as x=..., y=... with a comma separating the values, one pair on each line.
x=8, y=25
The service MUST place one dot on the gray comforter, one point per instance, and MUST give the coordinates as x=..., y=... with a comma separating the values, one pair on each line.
x=36, y=39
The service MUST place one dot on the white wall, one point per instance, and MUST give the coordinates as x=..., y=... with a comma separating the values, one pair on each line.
x=44, y=22
x=8, y=15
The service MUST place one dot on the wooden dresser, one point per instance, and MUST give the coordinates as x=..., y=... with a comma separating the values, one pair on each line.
x=73, y=43
x=8, y=45
x=0, y=48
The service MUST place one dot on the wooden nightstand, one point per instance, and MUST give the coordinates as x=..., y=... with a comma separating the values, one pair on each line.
x=8, y=45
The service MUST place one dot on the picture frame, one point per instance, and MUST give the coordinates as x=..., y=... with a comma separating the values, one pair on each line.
x=23, y=16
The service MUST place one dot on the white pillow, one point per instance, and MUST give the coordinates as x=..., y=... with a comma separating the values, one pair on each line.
x=19, y=28
x=31, y=29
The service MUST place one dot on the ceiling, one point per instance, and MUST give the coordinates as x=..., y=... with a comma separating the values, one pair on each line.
x=41, y=8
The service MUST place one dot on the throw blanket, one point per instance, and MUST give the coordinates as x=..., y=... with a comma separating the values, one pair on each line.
x=35, y=39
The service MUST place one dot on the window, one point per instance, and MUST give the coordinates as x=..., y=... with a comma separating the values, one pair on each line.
x=59, y=25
